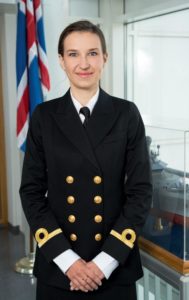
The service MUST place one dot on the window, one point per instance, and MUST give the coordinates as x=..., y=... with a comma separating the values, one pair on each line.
x=158, y=65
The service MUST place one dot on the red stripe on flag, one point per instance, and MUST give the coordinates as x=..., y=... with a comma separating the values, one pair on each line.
x=36, y=3
x=31, y=29
x=22, y=110
x=44, y=74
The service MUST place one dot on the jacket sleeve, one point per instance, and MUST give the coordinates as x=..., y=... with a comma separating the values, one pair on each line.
x=138, y=192
x=34, y=194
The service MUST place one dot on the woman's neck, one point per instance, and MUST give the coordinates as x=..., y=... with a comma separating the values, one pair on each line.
x=83, y=96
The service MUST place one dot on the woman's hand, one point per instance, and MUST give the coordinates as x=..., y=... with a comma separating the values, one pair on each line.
x=84, y=276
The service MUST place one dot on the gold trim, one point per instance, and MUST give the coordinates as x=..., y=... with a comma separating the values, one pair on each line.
x=123, y=236
x=46, y=236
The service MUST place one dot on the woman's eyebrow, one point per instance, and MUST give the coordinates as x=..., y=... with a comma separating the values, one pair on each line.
x=75, y=50
x=71, y=50
x=93, y=49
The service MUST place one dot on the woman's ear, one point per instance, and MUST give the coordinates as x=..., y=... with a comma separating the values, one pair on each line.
x=61, y=61
x=105, y=57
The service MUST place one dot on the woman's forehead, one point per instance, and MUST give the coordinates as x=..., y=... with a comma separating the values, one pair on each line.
x=80, y=40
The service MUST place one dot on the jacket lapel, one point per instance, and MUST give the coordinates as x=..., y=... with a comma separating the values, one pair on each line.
x=70, y=124
x=100, y=123
x=102, y=119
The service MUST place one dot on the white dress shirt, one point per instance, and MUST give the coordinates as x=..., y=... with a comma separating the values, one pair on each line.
x=106, y=263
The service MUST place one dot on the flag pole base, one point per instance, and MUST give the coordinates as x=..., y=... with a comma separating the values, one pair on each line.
x=25, y=265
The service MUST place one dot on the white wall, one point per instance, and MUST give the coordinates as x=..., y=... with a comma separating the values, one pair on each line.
x=84, y=8
x=8, y=39
x=113, y=80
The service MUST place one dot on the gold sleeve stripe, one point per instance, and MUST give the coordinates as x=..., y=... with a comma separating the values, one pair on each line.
x=42, y=235
x=128, y=236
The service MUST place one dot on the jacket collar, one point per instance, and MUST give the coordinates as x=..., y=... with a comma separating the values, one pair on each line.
x=100, y=123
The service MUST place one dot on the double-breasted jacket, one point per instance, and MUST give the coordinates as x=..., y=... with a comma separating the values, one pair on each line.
x=87, y=189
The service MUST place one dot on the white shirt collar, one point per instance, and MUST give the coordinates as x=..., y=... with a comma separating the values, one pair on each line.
x=90, y=104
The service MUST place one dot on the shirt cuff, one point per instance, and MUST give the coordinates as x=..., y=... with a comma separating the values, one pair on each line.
x=66, y=259
x=106, y=263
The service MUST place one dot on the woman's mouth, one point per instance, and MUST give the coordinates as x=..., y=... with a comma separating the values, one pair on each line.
x=84, y=74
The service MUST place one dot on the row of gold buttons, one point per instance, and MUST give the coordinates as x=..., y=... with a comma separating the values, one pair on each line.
x=71, y=199
x=97, y=218
x=96, y=179
x=73, y=237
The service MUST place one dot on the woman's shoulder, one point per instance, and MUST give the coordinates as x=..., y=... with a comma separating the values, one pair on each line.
x=50, y=104
x=118, y=101
x=124, y=104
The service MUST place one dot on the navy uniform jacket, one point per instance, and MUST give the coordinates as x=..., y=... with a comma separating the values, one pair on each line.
x=86, y=189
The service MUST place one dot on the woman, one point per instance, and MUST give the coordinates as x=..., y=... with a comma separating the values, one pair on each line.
x=86, y=183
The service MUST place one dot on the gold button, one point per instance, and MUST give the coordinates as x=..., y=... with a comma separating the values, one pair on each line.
x=70, y=199
x=73, y=237
x=98, y=237
x=71, y=218
x=98, y=218
x=97, y=199
x=69, y=179
x=97, y=179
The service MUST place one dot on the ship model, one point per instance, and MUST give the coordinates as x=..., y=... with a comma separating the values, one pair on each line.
x=168, y=221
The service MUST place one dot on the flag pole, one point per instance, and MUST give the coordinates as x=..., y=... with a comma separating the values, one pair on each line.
x=25, y=265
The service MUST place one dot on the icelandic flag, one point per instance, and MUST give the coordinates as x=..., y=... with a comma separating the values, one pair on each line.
x=32, y=73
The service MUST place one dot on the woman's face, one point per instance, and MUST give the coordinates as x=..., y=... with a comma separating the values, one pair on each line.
x=83, y=60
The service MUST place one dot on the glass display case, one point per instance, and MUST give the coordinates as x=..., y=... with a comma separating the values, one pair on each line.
x=166, y=232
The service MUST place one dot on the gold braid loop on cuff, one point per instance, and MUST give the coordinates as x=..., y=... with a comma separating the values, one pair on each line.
x=128, y=236
x=42, y=235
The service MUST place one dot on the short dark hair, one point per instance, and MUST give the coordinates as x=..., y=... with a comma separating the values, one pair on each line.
x=81, y=26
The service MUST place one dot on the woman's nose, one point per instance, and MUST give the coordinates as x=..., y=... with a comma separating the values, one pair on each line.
x=84, y=64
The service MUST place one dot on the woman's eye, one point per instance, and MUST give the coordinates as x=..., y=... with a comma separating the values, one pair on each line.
x=93, y=53
x=73, y=54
